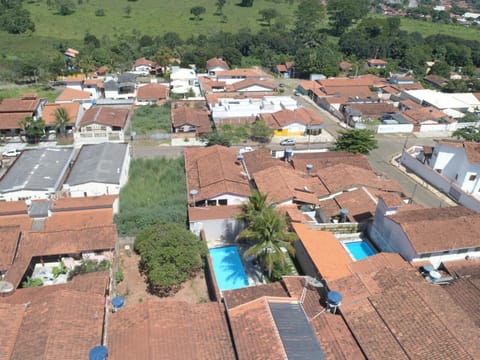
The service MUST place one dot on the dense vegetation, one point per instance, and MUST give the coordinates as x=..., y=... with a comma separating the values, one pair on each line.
x=149, y=119
x=359, y=141
x=170, y=254
x=155, y=193
x=260, y=32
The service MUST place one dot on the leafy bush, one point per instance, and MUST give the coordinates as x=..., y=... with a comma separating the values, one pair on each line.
x=58, y=270
x=170, y=254
x=32, y=283
x=88, y=266
x=119, y=276
x=150, y=119
x=155, y=192
x=100, y=12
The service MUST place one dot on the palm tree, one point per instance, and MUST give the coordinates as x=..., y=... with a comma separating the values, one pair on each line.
x=32, y=128
x=256, y=203
x=62, y=118
x=268, y=233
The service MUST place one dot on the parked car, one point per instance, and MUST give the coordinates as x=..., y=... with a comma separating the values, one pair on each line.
x=286, y=142
x=11, y=153
x=281, y=85
x=245, y=149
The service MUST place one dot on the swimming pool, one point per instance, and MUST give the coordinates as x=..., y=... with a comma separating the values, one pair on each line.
x=228, y=268
x=359, y=249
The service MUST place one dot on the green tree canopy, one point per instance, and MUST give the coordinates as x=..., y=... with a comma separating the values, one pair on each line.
x=322, y=60
x=309, y=15
x=471, y=133
x=62, y=118
x=65, y=7
x=170, y=255
x=343, y=13
x=33, y=129
x=260, y=132
x=268, y=234
x=356, y=141
x=196, y=11
x=268, y=15
x=257, y=202
x=216, y=138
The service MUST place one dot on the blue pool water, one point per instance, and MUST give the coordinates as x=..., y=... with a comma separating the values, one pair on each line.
x=359, y=249
x=228, y=268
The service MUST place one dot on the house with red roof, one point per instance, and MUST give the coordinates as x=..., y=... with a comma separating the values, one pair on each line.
x=144, y=66
x=215, y=64
x=300, y=121
x=377, y=63
x=152, y=94
x=73, y=109
x=285, y=70
x=13, y=110
x=102, y=123
x=190, y=119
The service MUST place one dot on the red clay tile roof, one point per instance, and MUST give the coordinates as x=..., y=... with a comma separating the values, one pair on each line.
x=83, y=203
x=330, y=158
x=284, y=117
x=261, y=159
x=285, y=184
x=19, y=105
x=360, y=203
x=364, y=80
x=186, y=115
x=106, y=116
x=48, y=114
x=208, y=85
x=170, y=329
x=325, y=251
x=395, y=313
x=70, y=94
x=376, y=61
x=24, y=222
x=249, y=82
x=9, y=239
x=374, y=110
x=213, y=212
x=10, y=121
x=144, y=61
x=345, y=66
x=214, y=171
x=463, y=268
x=11, y=317
x=234, y=298
x=63, y=242
x=430, y=230
x=13, y=208
x=254, y=331
x=67, y=220
x=281, y=68
x=422, y=114
x=152, y=92
x=391, y=200
x=239, y=73
x=216, y=62
x=340, y=177
x=379, y=261
x=466, y=294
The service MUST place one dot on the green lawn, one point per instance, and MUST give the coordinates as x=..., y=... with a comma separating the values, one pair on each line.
x=151, y=17
x=42, y=91
x=147, y=120
x=427, y=28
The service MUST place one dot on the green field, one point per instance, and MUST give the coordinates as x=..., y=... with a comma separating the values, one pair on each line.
x=151, y=17
x=427, y=28
x=43, y=92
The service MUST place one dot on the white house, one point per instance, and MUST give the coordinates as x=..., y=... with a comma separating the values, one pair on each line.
x=100, y=124
x=436, y=234
x=36, y=174
x=100, y=169
x=216, y=64
x=182, y=80
x=121, y=87
x=459, y=161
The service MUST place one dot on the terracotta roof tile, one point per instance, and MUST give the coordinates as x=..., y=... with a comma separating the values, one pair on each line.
x=60, y=243
x=374, y=110
x=364, y=80
x=234, y=298
x=176, y=330
x=254, y=331
x=10, y=121
x=70, y=94
x=216, y=62
x=13, y=208
x=360, y=204
x=19, y=105
x=144, y=61
x=214, y=171
x=213, y=212
x=261, y=159
x=11, y=317
x=84, y=203
x=283, y=184
x=9, y=238
x=466, y=295
x=106, y=116
x=422, y=114
x=152, y=92
x=241, y=85
x=48, y=114
x=24, y=222
x=325, y=251
x=377, y=62
x=430, y=230
x=463, y=268
x=247, y=73
x=330, y=158
x=372, y=264
x=186, y=115
x=340, y=177
x=284, y=117
x=78, y=219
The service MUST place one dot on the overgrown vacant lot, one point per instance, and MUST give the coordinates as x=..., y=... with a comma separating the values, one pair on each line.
x=150, y=119
x=155, y=193
x=44, y=92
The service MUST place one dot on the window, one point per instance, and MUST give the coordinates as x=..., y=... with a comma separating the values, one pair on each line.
x=425, y=255
x=222, y=202
x=472, y=177
x=211, y=202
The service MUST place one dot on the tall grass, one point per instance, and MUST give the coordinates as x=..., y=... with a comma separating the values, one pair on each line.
x=155, y=192
x=150, y=119
x=43, y=92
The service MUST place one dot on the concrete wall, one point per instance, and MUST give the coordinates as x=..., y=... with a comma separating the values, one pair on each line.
x=25, y=194
x=93, y=189
x=440, y=182
x=217, y=232
x=304, y=259
x=398, y=128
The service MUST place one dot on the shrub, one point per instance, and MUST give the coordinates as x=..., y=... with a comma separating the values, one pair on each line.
x=170, y=254
x=100, y=12
x=88, y=266
x=32, y=283
x=119, y=276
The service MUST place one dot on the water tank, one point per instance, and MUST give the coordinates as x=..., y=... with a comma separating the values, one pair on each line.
x=288, y=154
x=334, y=298
x=98, y=353
x=240, y=157
x=6, y=288
x=309, y=168
x=117, y=302
x=343, y=214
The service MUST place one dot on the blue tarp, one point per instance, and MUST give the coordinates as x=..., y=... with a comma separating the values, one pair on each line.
x=98, y=353
x=334, y=297
x=118, y=302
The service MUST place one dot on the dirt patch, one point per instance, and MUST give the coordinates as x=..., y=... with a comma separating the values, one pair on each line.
x=134, y=286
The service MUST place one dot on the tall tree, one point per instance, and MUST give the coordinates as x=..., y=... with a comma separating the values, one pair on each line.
x=268, y=234
x=257, y=202
x=360, y=141
x=62, y=118
x=196, y=11
x=220, y=4
x=33, y=129
x=309, y=16
x=322, y=60
x=342, y=13
x=246, y=3
x=268, y=15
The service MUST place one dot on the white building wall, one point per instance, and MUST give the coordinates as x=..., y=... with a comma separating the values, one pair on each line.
x=93, y=189
x=217, y=232
x=400, y=128
x=231, y=199
x=296, y=128
x=255, y=88
x=388, y=236
x=25, y=194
